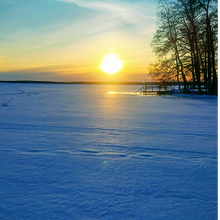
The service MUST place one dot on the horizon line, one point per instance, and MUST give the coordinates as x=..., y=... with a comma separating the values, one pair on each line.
x=94, y=83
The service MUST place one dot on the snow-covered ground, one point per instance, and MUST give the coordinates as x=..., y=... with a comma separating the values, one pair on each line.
x=79, y=152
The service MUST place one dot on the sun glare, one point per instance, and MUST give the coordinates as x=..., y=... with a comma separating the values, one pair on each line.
x=111, y=64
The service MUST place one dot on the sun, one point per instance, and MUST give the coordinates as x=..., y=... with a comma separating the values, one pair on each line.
x=111, y=64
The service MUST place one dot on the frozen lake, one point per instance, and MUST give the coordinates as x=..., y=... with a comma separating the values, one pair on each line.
x=79, y=152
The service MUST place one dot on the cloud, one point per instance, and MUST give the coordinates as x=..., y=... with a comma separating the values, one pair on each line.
x=130, y=12
x=97, y=5
x=48, y=73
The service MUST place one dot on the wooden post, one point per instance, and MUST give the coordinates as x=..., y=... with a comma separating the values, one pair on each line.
x=145, y=86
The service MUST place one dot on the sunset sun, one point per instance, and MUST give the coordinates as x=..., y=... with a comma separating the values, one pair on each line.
x=111, y=64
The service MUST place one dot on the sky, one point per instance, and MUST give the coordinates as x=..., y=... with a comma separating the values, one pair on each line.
x=67, y=40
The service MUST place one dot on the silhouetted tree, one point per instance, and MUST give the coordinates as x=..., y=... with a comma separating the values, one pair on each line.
x=186, y=41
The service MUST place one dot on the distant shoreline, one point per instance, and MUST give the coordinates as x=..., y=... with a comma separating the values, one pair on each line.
x=92, y=83
x=80, y=82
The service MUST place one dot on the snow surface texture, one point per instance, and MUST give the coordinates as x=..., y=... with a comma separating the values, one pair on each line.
x=78, y=152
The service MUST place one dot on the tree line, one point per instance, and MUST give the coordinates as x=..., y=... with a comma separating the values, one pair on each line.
x=186, y=43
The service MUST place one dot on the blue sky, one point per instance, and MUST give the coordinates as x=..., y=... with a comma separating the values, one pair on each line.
x=67, y=40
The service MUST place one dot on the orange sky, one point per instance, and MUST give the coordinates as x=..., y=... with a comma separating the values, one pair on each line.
x=67, y=40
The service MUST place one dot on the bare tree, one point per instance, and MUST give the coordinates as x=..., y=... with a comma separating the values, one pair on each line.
x=186, y=40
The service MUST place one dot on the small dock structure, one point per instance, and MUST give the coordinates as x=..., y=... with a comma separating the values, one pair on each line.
x=153, y=89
